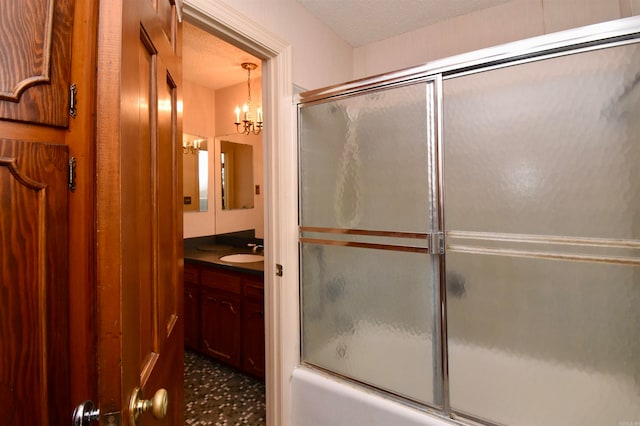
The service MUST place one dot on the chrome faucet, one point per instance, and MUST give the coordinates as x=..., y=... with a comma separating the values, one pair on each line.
x=256, y=248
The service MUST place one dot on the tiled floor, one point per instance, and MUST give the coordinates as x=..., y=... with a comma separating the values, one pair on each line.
x=218, y=395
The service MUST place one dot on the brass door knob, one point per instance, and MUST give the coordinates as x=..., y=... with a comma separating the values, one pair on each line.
x=157, y=405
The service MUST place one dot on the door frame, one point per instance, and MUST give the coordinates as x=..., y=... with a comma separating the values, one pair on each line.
x=281, y=194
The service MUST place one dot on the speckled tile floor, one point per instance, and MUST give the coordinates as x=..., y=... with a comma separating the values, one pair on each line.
x=219, y=395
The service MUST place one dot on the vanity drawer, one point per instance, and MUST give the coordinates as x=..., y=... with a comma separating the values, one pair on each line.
x=190, y=273
x=220, y=280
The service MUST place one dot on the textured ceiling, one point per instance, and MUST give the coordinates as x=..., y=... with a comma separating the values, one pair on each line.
x=211, y=62
x=360, y=22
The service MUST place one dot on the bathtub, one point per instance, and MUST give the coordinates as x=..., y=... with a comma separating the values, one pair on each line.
x=321, y=400
x=483, y=381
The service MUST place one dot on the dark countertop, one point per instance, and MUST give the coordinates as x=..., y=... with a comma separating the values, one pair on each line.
x=210, y=254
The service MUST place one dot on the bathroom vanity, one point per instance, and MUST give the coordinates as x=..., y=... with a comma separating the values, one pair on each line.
x=224, y=310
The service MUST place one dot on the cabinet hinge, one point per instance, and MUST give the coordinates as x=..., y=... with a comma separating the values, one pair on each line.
x=72, y=174
x=73, y=92
x=436, y=243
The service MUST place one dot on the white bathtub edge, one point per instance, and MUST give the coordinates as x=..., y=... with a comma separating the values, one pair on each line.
x=321, y=400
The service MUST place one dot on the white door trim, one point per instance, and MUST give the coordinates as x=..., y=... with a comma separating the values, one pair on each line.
x=281, y=193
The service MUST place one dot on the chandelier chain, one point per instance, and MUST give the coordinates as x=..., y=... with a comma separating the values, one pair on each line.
x=249, y=85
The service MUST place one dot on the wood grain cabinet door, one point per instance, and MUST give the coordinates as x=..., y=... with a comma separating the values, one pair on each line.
x=221, y=326
x=34, y=334
x=35, y=60
x=253, y=338
x=191, y=316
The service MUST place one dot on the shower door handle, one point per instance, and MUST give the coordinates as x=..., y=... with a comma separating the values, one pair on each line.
x=436, y=243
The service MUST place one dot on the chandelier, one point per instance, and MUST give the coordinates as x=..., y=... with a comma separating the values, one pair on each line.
x=247, y=125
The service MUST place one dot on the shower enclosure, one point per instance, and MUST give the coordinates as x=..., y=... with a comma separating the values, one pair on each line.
x=470, y=231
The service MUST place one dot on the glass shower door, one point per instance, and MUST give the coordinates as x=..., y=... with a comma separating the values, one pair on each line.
x=367, y=224
x=542, y=220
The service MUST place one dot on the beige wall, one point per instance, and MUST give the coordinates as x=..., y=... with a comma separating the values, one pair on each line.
x=226, y=101
x=512, y=21
x=199, y=110
x=190, y=184
x=211, y=113
x=242, y=219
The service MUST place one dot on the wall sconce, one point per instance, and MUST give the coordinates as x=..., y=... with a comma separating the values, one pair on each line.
x=192, y=146
x=246, y=125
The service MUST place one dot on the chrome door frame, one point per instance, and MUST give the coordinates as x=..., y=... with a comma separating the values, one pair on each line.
x=578, y=40
x=591, y=37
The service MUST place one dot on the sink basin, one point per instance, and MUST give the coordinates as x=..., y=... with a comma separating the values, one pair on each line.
x=242, y=258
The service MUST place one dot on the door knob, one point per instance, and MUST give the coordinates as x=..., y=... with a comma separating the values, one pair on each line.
x=157, y=405
x=85, y=413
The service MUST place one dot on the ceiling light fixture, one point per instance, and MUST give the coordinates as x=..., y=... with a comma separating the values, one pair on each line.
x=248, y=125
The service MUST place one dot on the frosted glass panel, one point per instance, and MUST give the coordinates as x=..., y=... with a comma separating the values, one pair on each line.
x=364, y=161
x=544, y=342
x=368, y=315
x=542, y=217
x=549, y=147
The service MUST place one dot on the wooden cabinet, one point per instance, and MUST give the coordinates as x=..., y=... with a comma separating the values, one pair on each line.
x=191, y=307
x=253, y=329
x=34, y=341
x=253, y=326
x=35, y=64
x=224, y=316
x=221, y=326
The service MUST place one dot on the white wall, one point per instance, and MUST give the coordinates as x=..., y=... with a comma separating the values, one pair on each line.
x=320, y=57
x=512, y=21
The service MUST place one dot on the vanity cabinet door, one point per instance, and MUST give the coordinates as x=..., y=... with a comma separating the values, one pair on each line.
x=191, y=316
x=253, y=338
x=221, y=326
x=253, y=326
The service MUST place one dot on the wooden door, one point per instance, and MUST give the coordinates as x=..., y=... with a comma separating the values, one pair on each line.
x=139, y=224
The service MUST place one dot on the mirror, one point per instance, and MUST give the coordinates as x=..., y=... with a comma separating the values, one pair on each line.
x=195, y=161
x=236, y=167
